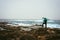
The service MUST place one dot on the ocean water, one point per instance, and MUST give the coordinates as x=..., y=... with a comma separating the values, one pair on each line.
x=51, y=23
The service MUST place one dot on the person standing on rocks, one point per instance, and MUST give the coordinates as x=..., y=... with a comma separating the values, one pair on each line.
x=44, y=22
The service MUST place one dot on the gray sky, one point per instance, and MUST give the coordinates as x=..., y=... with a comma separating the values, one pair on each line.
x=29, y=9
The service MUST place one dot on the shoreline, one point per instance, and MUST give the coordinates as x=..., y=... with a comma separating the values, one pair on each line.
x=29, y=33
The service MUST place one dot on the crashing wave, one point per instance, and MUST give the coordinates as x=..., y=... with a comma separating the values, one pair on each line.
x=53, y=25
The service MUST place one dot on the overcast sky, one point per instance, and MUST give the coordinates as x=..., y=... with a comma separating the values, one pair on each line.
x=29, y=9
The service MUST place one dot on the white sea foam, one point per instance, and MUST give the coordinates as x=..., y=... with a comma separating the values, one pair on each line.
x=28, y=23
x=20, y=24
x=53, y=25
x=23, y=24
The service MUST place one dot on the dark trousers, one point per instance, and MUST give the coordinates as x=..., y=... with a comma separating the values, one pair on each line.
x=44, y=25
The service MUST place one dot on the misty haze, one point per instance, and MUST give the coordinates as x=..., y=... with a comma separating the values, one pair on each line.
x=29, y=19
